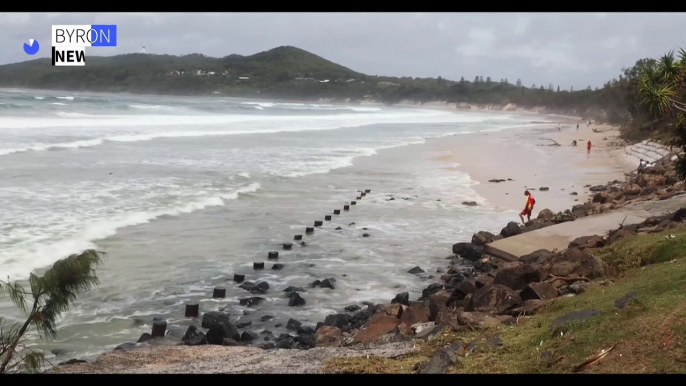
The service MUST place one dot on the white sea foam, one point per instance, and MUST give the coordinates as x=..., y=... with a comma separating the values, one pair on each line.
x=71, y=98
x=19, y=260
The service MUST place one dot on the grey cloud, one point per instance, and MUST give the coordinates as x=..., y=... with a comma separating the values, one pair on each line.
x=566, y=49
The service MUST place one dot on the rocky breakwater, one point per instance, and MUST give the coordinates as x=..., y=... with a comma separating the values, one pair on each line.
x=477, y=291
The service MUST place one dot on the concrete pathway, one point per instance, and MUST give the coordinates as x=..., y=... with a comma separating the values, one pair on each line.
x=560, y=235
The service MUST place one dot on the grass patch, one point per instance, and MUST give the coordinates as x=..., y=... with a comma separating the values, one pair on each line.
x=641, y=250
x=650, y=330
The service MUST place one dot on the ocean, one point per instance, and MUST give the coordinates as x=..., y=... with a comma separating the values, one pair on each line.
x=181, y=193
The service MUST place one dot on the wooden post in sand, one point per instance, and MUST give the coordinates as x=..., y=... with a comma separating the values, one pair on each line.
x=318, y=223
x=219, y=293
x=298, y=237
x=192, y=310
x=358, y=198
x=159, y=327
x=287, y=246
x=336, y=211
x=363, y=194
x=257, y=265
x=238, y=278
x=353, y=202
x=327, y=217
x=309, y=230
x=368, y=190
x=346, y=207
x=273, y=255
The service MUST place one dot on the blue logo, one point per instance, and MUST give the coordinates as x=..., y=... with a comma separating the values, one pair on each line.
x=31, y=47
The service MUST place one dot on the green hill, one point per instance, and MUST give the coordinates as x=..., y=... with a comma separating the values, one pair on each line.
x=292, y=73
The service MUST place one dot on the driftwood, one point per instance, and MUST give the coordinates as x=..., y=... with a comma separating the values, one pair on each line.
x=600, y=131
x=553, y=278
x=548, y=139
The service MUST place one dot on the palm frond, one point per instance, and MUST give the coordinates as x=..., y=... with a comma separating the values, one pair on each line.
x=682, y=56
x=16, y=294
x=59, y=286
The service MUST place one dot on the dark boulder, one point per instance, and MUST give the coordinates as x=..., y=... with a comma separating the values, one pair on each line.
x=338, y=320
x=473, y=253
x=248, y=285
x=72, y=362
x=460, y=248
x=243, y=324
x=598, y=188
x=144, y=338
x=220, y=330
x=125, y=346
x=296, y=300
x=248, y=336
x=293, y=325
x=496, y=299
x=260, y=288
x=481, y=238
x=540, y=256
x=328, y=283
x=285, y=343
x=249, y=302
x=294, y=289
x=352, y=308
x=541, y=291
x=431, y=289
x=402, y=298
x=360, y=318
x=214, y=318
x=469, y=203
x=463, y=289
x=516, y=275
x=512, y=229
x=266, y=318
x=415, y=270
x=193, y=337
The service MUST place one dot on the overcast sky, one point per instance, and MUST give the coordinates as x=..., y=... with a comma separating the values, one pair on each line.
x=566, y=49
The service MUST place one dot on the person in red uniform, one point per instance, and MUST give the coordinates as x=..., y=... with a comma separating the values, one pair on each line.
x=588, y=147
x=528, y=208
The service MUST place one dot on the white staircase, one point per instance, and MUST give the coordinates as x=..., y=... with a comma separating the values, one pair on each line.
x=646, y=150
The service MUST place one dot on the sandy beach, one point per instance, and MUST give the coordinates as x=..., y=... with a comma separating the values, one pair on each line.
x=525, y=157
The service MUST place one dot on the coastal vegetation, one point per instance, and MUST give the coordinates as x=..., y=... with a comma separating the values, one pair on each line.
x=46, y=299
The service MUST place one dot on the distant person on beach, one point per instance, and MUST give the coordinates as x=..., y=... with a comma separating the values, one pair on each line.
x=528, y=207
x=577, y=126
x=588, y=147
x=559, y=126
x=574, y=142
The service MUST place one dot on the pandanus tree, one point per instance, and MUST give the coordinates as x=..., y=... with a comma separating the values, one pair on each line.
x=663, y=91
x=49, y=296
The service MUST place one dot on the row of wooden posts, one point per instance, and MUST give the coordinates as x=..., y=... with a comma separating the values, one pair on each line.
x=159, y=327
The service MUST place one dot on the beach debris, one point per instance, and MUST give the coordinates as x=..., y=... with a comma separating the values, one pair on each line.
x=469, y=203
x=544, y=188
x=595, y=359
x=548, y=139
x=496, y=180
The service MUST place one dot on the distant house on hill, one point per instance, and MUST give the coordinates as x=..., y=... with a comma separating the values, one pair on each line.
x=210, y=73
x=305, y=79
x=324, y=81
x=244, y=78
x=385, y=84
